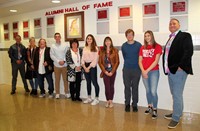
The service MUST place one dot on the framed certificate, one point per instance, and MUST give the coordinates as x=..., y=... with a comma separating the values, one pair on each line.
x=15, y=34
x=15, y=25
x=50, y=21
x=26, y=34
x=6, y=36
x=6, y=26
x=37, y=22
x=26, y=24
x=125, y=12
x=178, y=7
x=150, y=9
x=102, y=14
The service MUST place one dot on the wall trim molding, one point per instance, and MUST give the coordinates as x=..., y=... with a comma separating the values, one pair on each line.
x=196, y=48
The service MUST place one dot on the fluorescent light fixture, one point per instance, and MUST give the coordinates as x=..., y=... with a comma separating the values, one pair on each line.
x=13, y=11
x=55, y=1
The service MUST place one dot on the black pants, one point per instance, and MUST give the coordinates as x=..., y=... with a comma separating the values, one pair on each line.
x=92, y=77
x=49, y=81
x=75, y=86
x=21, y=68
x=131, y=78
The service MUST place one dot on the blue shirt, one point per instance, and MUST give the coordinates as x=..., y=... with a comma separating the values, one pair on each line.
x=130, y=54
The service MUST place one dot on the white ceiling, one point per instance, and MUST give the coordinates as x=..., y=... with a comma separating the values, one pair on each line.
x=24, y=6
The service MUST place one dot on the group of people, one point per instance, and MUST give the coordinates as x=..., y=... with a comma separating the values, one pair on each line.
x=75, y=64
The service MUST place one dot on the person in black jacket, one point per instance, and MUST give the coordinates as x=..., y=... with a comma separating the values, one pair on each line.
x=17, y=54
x=177, y=65
x=31, y=74
x=43, y=64
x=74, y=69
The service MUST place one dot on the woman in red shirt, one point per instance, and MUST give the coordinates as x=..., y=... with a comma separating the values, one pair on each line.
x=149, y=56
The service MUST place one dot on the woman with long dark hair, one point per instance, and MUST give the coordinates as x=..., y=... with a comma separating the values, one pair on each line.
x=89, y=63
x=108, y=62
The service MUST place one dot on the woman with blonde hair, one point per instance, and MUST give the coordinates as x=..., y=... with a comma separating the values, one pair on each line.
x=31, y=73
x=149, y=56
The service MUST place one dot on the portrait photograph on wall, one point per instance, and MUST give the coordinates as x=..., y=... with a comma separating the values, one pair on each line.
x=74, y=26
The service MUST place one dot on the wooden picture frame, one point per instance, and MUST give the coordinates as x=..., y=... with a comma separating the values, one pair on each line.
x=74, y=26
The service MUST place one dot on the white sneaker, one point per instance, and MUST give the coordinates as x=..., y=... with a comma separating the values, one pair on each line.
x=67, y=95
x=42, y=95
x=57, y=96
x=95, y=102
x=88, y=100
x=50, y=95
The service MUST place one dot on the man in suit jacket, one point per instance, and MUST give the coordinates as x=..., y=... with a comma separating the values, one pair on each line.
x=17, y=54
x=177, y=65
x=43, y=64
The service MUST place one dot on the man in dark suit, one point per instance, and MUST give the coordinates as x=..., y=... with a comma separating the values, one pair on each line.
x=17, y=54
x=177, y=65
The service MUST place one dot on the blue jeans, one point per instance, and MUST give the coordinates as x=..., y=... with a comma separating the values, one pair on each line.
x=92, y=77
x=151, y=85
x=49, y=81
x=177, y=83
x=34, y=83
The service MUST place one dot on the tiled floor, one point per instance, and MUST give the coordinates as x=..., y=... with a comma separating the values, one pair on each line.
x=22, y=112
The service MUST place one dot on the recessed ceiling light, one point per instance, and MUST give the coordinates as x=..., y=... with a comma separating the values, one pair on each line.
x=55, y=1
x=13, y=11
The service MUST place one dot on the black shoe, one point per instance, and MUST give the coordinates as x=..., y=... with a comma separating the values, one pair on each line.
x=127, y=108
x=135, y=109
x=32, y=92
x=148, y=111
x=78, y=99
x=154, y=114
x=173, y=124
x=27, y=90
x=73, y=99
x=12, y=92
x=35, y=92
x=168, y=116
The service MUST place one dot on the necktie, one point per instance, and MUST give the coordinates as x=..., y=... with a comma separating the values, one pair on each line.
x=171, y=37
x=19, y=52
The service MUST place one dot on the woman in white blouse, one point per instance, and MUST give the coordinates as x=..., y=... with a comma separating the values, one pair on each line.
x=74, y=69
